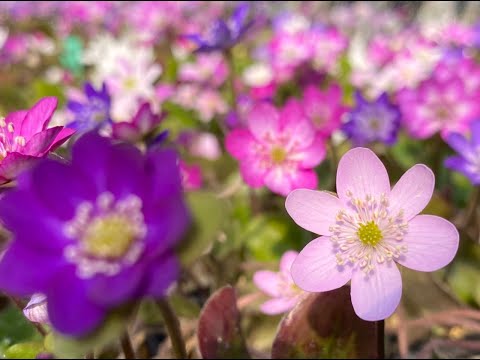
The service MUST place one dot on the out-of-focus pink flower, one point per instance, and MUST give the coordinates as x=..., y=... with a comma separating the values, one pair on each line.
x=446, y=102
x=277, y=149
x=279, y=286
x=209, y=69
x=324, y=108
x=327, y=46
x=366, y=230
x=24, y=138
x=192, y=178
x=36, y=309
x=210, y=103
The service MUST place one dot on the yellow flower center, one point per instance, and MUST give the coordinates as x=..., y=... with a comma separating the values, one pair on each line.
x=278, y=155
x=369, y=233
x=109, y=236
x=129, y=83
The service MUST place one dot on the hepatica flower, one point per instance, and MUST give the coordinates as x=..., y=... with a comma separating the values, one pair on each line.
x=367, y=230
x=94, y=112
x=279, y=286
x=24, y=138
x=94, y=234
x=378, y=120
x=278, y=149
x=467, y=161
x=223, y=35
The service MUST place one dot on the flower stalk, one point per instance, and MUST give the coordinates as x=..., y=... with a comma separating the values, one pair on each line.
x=173, y=328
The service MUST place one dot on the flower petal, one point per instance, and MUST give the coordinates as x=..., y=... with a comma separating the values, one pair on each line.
x=412, y=192
x=278, y=306
x=361, y=172
x=263, y=121
x=287, y=260
x=41, y=142
x=316, y=269
x=15, y=163
x=240, y=143
x=163, y=273
x=432, y=243
x=38, y=116
x=313, y=210
x=62, y=136
x=268, y=281
x=376, y=296
x=294, y=123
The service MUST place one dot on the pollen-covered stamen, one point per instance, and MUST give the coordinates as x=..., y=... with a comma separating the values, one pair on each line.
x=367, y=233
x=108, y=235
x=278, y=155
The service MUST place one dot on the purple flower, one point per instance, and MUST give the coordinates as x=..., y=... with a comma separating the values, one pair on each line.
x=94, y=234
x=224, y=34
x=141, y=125
x=368, y=122
x=94, y=113
x=279, y=286
x=366, y=229
x=467, y=161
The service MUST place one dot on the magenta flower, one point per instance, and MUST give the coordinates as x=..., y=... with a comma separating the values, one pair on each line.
x=192, y=178
x=24, y=138
x=279, y=286
x=278, y=149
x=366, y=230
x=324, y=108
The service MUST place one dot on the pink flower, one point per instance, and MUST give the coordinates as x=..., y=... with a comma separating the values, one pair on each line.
x=279, y=286
x=324, y=108
x=447, y=102
x=208, y=68
x=278, y=149
x=366, y=230
x=24, y=138
x=191, y=176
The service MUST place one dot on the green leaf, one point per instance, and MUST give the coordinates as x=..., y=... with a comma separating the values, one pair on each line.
x=27, y=350
x=207, y=212
x=15, y=328
x=178, y=119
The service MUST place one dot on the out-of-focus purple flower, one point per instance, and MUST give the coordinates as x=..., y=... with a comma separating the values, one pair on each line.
x=94, y=234
x=223, y=35
x=278, y=148
x=279, y=286
x=368, y=122
x=94, y=112
x=324, y=108
x=36, y=309
x=467, y=161
x=24, y=138
x=191, y=176
x=140, y=126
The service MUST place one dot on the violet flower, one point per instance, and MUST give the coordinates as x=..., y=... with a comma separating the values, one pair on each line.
x=467, y=161
x=368, y=122
x=366, y=230
x=94, y=113
x=279, y=286
x=142, y=125
x=223, y=35
x=24, y=138
x=94, y=234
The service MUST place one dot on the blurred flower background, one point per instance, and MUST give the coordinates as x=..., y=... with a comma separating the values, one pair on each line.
x=257, y=99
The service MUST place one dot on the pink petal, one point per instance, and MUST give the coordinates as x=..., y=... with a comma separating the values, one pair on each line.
x=38, y=116
x=362, y=173
x=14, y=163
x=303, y=179
x=316, y=269
x=376, y=296
x=278, y=306
x=314, y=154
x=240, y=143
x=62, y=136
x=263, y=121
x=287, y=260
x=252, y=173
x=413, y=191
x=268, y=281
x=432, y=243
x=313, y=210
x=294, y=123
x=16, y=118
x=125, y=131
x=278, y=181
x=41, y=142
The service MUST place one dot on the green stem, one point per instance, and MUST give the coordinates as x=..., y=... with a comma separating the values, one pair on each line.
x=127, y=347
x=173, y=328
x=231, y=80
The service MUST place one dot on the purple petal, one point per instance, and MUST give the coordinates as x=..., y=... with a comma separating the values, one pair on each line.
x=412, y=192
x=376, y=296
x=69, y=309
x=38, y=117
x=126, y=131
x=278, y=306
x=313, y=210
x=475, y=130
x=315, y=269
x=239, y=17
x=41, y=142
x=269, y=282
x=459, y=143
x=163, y=273
x=362, y=173
x=432, y=243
